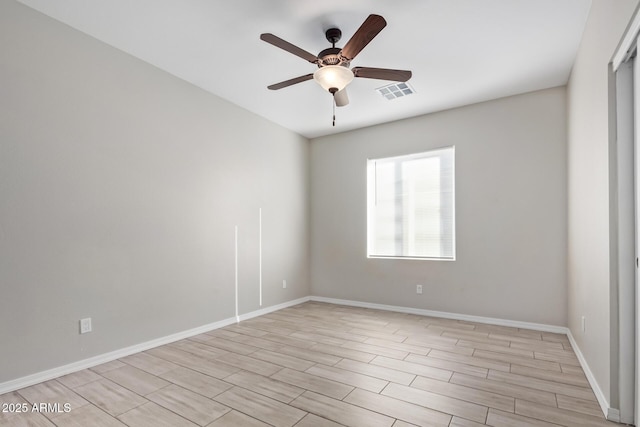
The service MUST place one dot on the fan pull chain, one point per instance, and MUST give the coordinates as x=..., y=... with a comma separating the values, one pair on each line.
x=334, y=109
x=333, y=91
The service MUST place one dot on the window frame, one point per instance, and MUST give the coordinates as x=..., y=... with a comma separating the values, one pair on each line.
x=371, y=195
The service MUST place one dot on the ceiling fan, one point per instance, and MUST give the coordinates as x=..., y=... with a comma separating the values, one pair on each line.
x=333, y=73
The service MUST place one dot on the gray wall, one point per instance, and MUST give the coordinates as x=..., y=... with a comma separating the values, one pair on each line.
x=588, y=183
x=120, y=187
x=510, y=212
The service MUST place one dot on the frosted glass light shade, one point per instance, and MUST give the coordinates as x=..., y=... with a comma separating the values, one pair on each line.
x=333, y=76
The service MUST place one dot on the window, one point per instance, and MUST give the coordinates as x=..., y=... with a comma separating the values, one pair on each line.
x=410, y=206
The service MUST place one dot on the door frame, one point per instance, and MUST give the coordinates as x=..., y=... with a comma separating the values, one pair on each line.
x=624, y=163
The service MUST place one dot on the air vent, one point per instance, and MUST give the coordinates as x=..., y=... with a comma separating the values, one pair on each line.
x=395, y=90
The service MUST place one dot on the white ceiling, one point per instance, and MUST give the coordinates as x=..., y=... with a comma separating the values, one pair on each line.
x=460, y=51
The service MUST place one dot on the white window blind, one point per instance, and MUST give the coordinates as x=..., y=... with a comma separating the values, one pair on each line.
x=411, y=212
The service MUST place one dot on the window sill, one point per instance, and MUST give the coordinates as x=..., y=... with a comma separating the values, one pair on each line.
x=410, y=258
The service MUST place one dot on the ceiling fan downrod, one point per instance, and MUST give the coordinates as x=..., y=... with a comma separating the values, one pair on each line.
x=333, y=35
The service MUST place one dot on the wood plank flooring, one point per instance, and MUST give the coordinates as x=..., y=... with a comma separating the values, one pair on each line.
x=325, y=365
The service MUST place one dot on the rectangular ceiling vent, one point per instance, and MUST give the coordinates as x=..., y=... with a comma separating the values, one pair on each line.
x=395, y=90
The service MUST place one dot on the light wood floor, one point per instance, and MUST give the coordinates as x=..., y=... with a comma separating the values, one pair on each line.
x=325, y=365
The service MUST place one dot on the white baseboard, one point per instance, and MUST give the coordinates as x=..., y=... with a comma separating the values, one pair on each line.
x=113, y=355
x=445, y=315
x=611, y=414
x=272, y=308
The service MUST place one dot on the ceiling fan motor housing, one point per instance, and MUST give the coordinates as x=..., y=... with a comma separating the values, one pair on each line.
x=331, y=56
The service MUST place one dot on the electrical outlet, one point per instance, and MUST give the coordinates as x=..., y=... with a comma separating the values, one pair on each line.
x=284, y=284
x=419, y=289
x=85, y=325
x=584, y=325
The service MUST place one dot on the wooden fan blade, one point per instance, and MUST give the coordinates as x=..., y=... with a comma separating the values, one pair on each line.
x=367, y=31
x=341, y=97
x=382, y=74
x=291, y=82
x=285, y=45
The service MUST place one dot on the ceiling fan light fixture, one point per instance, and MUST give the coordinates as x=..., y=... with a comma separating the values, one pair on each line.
x=333, y=77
